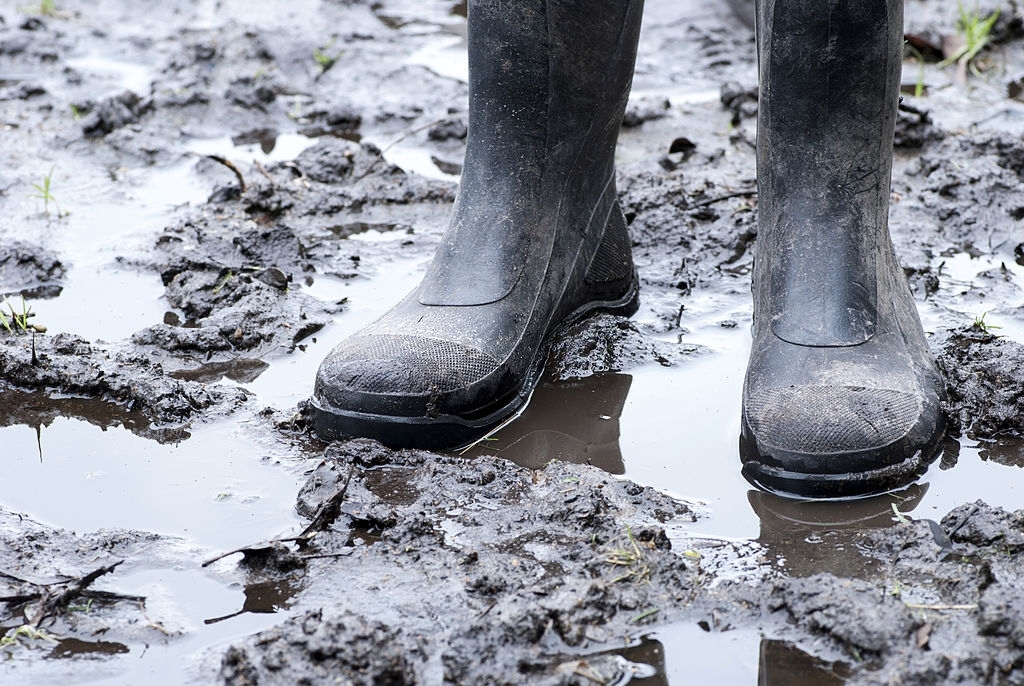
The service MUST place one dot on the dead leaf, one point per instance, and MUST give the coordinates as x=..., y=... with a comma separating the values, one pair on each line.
x=924, y=634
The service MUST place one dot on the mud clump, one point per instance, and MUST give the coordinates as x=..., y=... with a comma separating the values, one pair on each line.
x=365, y=651
x=607, y=343
x=966, y=625
x=30, y=269
x=982, y=374
x=513, y=562
x=847, y=610
x=235, y=269
x=113, y=113
x=117, y=375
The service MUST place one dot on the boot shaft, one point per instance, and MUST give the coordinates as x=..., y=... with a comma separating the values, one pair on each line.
x=544, y=73
x=829, y=82
x=548, y=85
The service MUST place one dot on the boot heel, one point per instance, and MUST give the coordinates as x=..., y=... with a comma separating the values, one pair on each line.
x=611, y=284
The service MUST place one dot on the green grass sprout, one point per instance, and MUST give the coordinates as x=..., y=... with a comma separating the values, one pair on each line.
x=975, y=33
x=44, y=193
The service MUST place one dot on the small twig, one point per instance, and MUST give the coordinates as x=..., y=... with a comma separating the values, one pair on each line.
x=925, y=606
x=230, y=165
x=487, y=610
x=255, y=547
x=16, y=579
x=111, y=596
x=328, y=511
x=54, y=598
x=910, y=109
x=728, y=196
x=402, y=137
x=263, y=170
x=76, y=589
x=344, y=553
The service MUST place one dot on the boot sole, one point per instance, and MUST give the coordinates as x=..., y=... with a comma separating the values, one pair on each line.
x=446, y=432
x=837, y=486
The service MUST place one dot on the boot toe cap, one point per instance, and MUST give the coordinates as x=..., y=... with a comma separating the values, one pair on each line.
x=838, y=441
x=399, y=366
x=822, y=420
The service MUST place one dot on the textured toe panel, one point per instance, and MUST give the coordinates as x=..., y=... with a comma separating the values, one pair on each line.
x=405, y=365
x=819, y=420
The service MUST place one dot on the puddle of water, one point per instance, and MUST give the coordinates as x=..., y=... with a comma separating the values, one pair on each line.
x=959, y=282
x=184, y=600
x=214, y=489
x=274, y=147
x=697, y=653
x=445, y=57
x=693, y=655
x=99, y=298
x=413, y=160
x=120, y=75
x=686, y=654
x=102, y=303
x=680, y=430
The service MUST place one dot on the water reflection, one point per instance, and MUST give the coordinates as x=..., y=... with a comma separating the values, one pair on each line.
x=811, y=537
x=783, y=664
x=241, y=370
x=573, y=421
x=264, y=597
x=74, y=647
x=1007, y=451
x=39, y=410
x=683, y=654
x=640, y=663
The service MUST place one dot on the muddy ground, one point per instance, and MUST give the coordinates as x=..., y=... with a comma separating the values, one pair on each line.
x=247, y=162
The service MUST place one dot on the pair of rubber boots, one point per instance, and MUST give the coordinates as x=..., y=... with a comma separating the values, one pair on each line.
x=841, y=396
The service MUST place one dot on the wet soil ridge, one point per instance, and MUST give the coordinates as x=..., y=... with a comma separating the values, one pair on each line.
x=983, y=373
x=235, y=269
x=960, y=583
x=605, y=343
x=485, y=572
x=502, y=569
x=150, y=402
x=58, y=591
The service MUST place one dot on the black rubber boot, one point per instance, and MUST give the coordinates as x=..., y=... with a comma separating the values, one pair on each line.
x=841, y=397
x=536, y=237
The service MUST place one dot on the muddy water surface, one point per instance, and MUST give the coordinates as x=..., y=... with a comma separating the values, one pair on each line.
x=96, y=473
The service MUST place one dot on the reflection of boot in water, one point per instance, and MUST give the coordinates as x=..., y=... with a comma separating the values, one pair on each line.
x=783, y=664
x=821, y=536
x=841, y=396
x=573, y=421
x=536, y=237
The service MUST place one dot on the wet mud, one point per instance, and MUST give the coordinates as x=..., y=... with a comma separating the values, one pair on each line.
x=274, y=175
